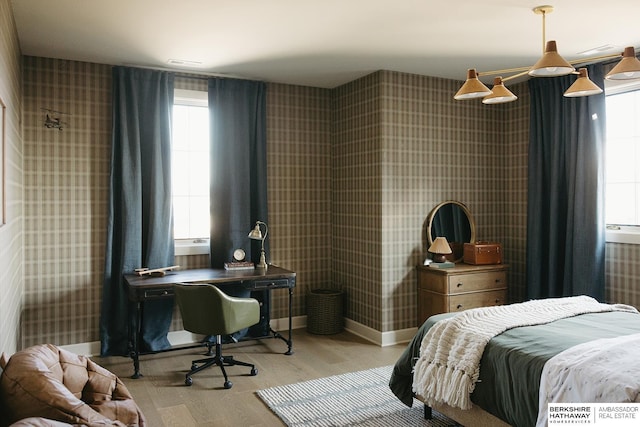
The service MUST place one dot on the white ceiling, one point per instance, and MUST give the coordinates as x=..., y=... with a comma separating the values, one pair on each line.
x=322, y=43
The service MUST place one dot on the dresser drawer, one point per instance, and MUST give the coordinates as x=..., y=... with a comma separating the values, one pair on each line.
x=462, y=283
x=475, y=300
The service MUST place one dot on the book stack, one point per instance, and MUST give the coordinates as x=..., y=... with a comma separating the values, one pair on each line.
x=446, y=264
x=240, y=265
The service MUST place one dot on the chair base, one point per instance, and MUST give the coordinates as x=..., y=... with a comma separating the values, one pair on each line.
x=219, y=360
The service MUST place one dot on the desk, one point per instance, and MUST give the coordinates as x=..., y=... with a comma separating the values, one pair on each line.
x=258, y=281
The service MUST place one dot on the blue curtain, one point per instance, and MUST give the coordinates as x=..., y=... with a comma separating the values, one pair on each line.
x=565, y=222
x=238, y=187
x=238, y=177
x=140, y=222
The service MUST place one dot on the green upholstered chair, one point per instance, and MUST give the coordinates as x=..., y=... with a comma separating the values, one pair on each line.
x=207, y=310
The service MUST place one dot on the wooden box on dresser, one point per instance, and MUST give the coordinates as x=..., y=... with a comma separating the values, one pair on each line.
x=444, y=290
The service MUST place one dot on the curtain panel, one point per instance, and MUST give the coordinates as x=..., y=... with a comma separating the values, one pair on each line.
x=140, y=223
x=238, y=166
x=565, y=217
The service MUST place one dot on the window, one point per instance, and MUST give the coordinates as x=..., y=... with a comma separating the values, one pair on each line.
x=622, y=196
x=190, y=172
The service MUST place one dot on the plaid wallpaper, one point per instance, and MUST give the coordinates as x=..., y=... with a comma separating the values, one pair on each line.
x=352, y=174
x=401, y=146
x=11, y=233
x=65, y=198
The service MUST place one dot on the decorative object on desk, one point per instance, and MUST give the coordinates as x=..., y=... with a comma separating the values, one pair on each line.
x=238, y=262
x=238, y=255
x=155, y=271
x=439, y=248
x=256, y=234
x=483, y=253
x=242, y=265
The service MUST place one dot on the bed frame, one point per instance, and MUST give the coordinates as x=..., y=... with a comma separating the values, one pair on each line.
x=475, y=416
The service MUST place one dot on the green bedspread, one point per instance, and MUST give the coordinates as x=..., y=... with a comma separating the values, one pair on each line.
x=512, y=362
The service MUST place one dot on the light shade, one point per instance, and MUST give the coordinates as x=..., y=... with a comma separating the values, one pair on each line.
x=582, y=86
x=472, y=87
x=439, y=248
x=499, y=93
x=628, y=68
x=256, y=234
x=551, y=64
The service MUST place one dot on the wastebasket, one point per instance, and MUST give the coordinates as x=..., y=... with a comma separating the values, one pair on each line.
x=325, y=311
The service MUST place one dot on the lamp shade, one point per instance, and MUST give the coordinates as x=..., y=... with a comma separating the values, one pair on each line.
x=256, y=233
x=499, y=93
x=551, y=64
x=472, y=87
x=582, y=86
x=440, y=246
x=628, y=68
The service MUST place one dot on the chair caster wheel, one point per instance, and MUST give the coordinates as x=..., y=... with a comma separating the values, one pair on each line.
x=228, y=384
x=188, y=381
x=254, y=372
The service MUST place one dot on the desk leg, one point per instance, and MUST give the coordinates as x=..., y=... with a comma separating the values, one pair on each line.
x=135, y=353
x=290, y=342
x=277, y=334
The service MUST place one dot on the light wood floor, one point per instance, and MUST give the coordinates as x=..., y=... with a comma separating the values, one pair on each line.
x=166, y=401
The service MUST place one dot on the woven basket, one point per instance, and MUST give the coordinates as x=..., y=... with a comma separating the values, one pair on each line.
x=324, y=311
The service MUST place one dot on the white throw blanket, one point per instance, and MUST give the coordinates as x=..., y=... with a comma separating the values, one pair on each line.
x=605, y=370
x=449, y=363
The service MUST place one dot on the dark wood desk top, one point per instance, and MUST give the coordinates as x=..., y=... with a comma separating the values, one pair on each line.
x=208, y=275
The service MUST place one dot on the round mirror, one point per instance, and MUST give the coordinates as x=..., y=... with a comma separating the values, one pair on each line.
x=454, y=221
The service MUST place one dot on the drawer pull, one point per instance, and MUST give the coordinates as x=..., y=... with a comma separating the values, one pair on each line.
x=497, y=301
x=459, y=285
x=459, y=306
x=498, y=280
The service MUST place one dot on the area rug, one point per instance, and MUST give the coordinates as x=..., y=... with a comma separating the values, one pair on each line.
x=355, y=399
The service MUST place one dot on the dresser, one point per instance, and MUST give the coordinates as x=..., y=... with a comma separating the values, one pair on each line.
x=445, y=290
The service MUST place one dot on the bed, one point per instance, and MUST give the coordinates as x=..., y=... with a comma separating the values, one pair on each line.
x=511, y=365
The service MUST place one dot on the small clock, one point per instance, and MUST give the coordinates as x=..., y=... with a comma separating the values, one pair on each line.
x=238, y=255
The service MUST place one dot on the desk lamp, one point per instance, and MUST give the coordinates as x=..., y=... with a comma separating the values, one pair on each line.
x=256, y=234
x=439, y=248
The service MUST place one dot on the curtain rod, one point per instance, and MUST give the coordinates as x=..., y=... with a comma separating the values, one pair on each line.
x=192, y=74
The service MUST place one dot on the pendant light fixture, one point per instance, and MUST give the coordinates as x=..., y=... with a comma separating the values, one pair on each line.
x=582, y=86
x=499, y=93
x=628, y=68
x=551, y=64
x=472, y=87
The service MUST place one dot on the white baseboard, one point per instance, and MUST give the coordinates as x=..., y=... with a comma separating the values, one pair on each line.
x=92, y=348
x=374, y=336
x=383, y=339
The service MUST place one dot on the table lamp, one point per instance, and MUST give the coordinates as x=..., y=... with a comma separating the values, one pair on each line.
x=256, y=234
x=439, y=248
